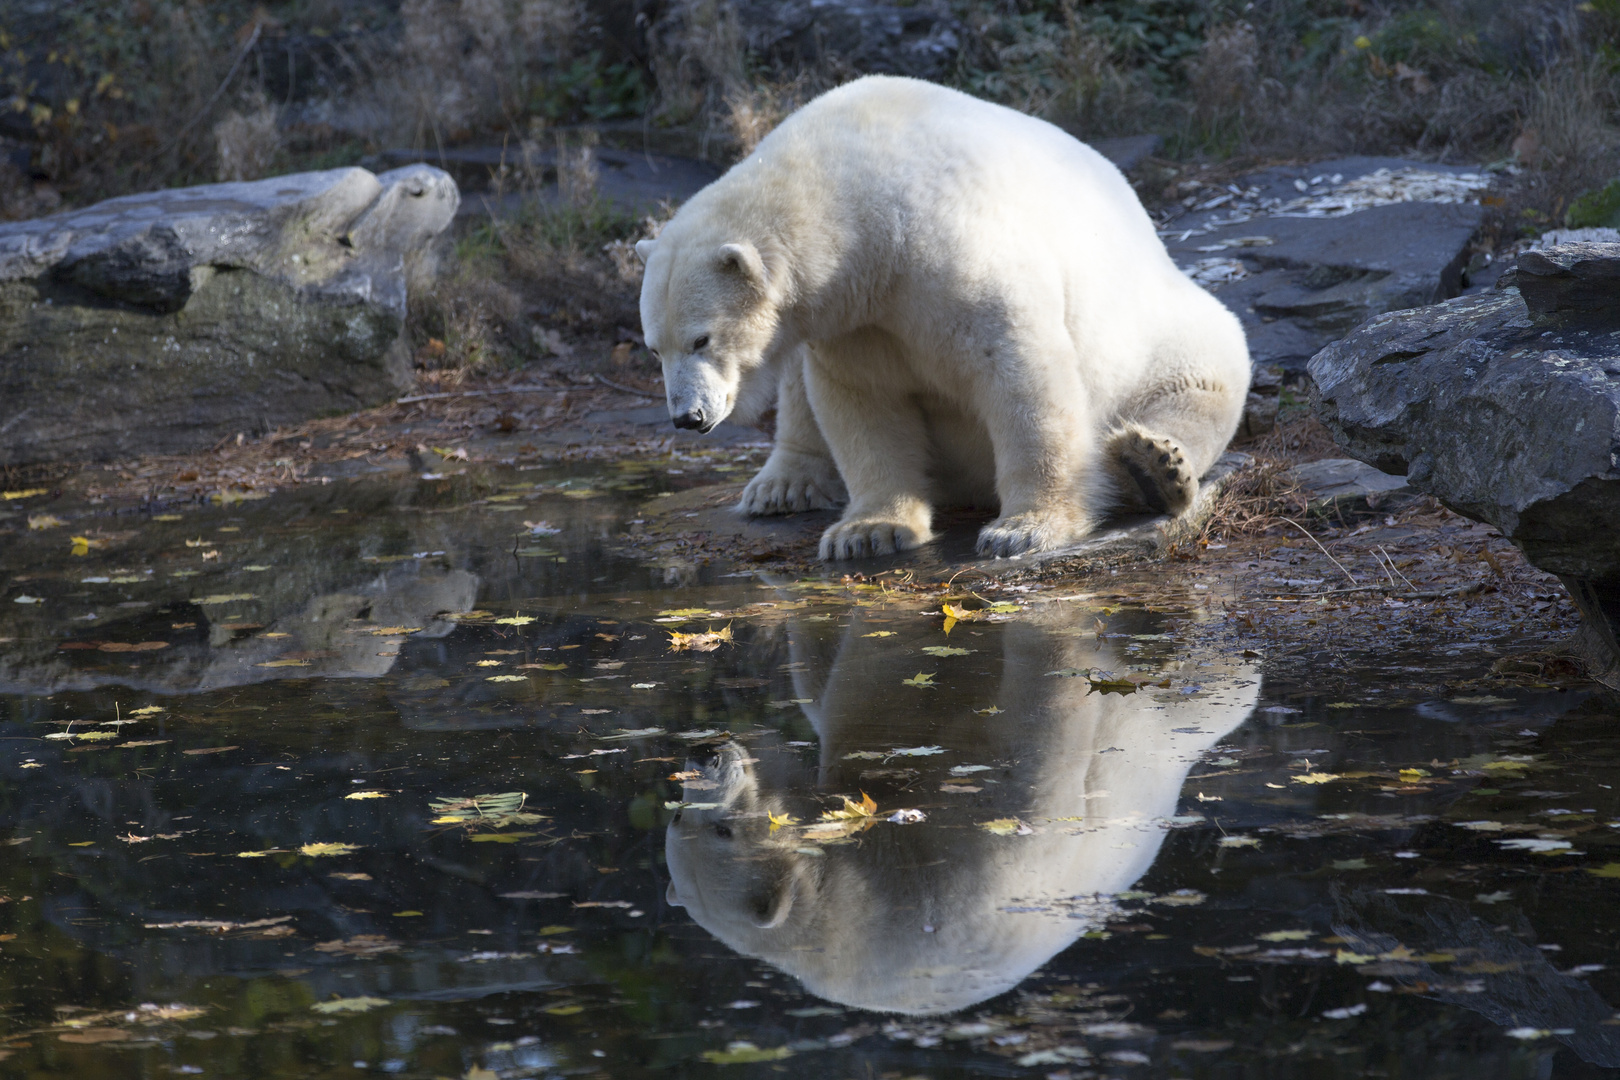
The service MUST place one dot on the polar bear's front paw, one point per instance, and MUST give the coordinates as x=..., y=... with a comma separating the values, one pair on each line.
x=863, y=537
x=1159, y=468
x=1015, y=534
x=791, y=483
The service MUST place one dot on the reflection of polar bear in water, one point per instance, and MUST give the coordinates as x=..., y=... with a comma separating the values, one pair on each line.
x=911, y=918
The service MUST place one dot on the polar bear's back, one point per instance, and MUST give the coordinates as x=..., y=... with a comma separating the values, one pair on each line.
x=947, y=159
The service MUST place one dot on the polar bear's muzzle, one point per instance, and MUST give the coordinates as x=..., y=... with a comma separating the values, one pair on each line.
x=698, y=393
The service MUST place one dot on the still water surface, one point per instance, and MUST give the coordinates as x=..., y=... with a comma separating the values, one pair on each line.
x=382, y=779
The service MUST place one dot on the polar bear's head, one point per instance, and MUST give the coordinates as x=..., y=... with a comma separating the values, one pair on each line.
x=710, y=312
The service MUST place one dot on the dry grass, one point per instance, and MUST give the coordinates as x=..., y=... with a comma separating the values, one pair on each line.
x=1263, y=496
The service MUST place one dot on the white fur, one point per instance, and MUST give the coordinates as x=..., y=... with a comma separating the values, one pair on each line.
x=1095, y=774
x=978, y=306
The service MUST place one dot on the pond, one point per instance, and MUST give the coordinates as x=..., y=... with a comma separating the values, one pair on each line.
x=459, y=777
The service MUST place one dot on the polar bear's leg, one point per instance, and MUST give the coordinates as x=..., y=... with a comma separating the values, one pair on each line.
x=800, y=473
x=880, y=442
x=1044, y=434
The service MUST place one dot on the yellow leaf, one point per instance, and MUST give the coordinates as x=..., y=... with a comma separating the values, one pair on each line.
x=1286, y=935
x=515, y=620
x=283, y=663
x=1316, y=778
x=366, y=795
x=1344, y=956
x=328, y=849
x=565, y=1010
x=506, y=678
x=147, y=710
x=224, y=598
x=919, y=679
x=702, y=642
x=354, y=1004
x=745, y=1053
x=81, y=545
x=1611, y=870
x=1412, y=776
x=256, y=854
x=880, y=633
x=44, y=521
x=944, y=650
x=26, y=493
x=779, y=820
x=1006, y=826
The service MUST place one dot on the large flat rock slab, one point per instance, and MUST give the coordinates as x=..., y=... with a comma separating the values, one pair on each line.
x=1304, y=254
x=1505, y=407
x=166, y=321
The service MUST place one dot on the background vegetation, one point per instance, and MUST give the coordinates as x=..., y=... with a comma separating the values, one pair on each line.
x=103, y=97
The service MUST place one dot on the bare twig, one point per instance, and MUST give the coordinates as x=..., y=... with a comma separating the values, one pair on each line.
x=414, y=398
x=1324, y=550
x=208, y=106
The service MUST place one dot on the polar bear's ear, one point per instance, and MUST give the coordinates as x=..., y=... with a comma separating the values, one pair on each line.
x=744, y=259
x=671, y=897
x=644, y=248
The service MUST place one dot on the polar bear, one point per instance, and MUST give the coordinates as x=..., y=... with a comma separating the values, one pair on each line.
x=978, y=310
x=932, y=918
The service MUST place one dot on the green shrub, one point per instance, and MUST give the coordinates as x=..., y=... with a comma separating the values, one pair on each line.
x=1598, y=209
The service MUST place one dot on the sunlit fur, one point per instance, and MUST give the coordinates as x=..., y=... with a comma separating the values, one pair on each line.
x=985, y=313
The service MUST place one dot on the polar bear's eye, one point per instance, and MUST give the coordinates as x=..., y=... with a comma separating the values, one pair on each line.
x=700, y=342
x=723, y=831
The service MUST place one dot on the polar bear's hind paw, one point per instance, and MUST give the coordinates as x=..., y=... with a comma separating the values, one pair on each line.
x=1159, y=468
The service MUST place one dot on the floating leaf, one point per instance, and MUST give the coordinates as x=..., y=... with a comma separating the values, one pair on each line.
x=1413, y=776
x=25, y=493
x=1181, y=898
x=745, y=1053
x=701, y=642
x=1609, y=870
x=515, y=620
x=779, y=820
x=913, y=751
x=487, y=811
x=1239, y=841
x=1007, y=826
x=1316, y=778
x=347, y=1005
x=1539, y=846
x=1286, y=935
x=944, y=650
x=991, y=711
x=147, y=710
x=283, y=663
x=926, y=681
x=366, y=795
x=882, y=633
x=225, y=598
x=964, y=770
x=1480, y=826
x=506, y=678
x=317, y=850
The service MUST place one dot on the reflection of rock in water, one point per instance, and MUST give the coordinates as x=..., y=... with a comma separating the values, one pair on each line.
x=1501, y=977
x=916, y=919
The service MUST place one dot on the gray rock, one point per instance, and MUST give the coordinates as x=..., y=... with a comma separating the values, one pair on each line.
x=165, y=321
x=1339, y=485
x=1299, y=277
x=921, y=41
x=1505, y=412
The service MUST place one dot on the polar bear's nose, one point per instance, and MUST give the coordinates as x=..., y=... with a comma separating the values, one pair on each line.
x=692, y=418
